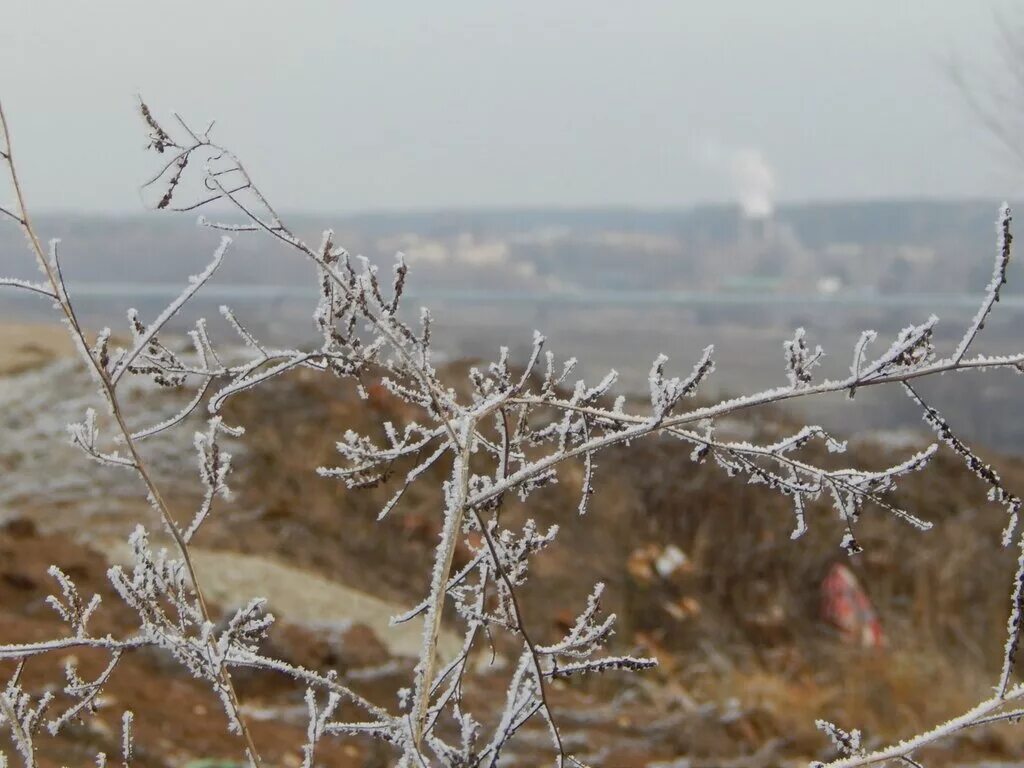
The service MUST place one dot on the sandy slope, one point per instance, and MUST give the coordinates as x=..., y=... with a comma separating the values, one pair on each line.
x=301, y=598
x=24, y=346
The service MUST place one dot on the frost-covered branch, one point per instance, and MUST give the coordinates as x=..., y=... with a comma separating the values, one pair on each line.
x=98, y=362
x=508, y=433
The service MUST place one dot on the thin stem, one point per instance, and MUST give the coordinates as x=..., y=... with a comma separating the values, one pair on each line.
x=22, y=739
x=971, y=718
x=521, y=626
x=107, y=388
x=439, y=587
x=6, y=212
x=644, y=426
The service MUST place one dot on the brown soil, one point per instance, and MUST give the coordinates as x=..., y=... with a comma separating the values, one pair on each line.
x=177, y=718
x=26, y=346
x=746, y=667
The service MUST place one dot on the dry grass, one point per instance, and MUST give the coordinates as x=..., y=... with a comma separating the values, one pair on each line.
x=755, y=637
x=942, y=595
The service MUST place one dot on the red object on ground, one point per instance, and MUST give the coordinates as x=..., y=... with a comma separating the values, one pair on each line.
x=845, y=605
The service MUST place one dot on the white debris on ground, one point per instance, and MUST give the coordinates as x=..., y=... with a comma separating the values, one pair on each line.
x=44, y=474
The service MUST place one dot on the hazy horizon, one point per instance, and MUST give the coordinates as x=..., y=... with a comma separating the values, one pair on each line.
x=426, y=209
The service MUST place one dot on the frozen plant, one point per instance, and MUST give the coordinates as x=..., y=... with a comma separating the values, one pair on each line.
x=508, y=435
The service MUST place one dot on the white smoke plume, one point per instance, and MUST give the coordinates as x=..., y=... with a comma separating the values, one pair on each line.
x=750, y=174
x=754, y=181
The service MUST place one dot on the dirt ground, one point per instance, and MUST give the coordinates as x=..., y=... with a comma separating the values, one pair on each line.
x=747, y=662
x=26, y=346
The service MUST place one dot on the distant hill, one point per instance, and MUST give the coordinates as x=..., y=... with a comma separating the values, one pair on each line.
x=544, y=249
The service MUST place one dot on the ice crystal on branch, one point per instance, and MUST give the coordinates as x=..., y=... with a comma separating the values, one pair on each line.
x=509, y=432
x=800, y=360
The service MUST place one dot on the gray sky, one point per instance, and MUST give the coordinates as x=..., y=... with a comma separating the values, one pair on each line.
x=343, y=105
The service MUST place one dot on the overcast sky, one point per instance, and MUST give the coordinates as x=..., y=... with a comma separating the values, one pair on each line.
x=339, y=105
